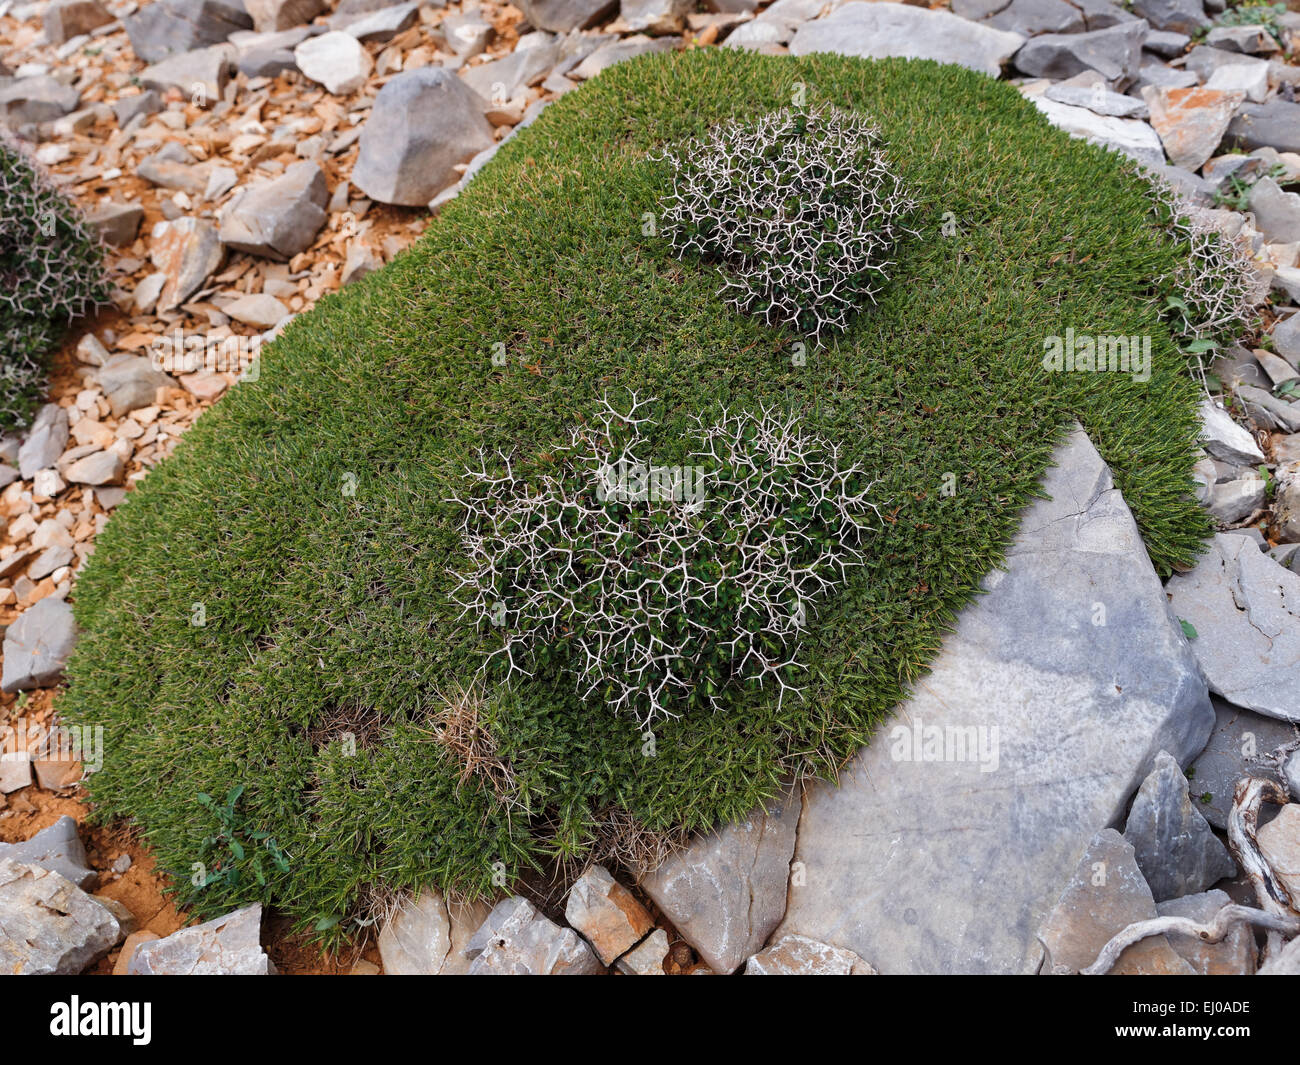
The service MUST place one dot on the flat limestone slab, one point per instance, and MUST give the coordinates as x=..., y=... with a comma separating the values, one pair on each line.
x=1063, y=682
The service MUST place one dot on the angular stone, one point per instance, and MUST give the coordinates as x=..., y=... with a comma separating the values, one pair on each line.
x=1249, y=40
x=466, y=35
x=1203, y=61
x=656, y=16
x=606, y=913
x=1191, y=122
x=1128, y=135
x=1102, y=14
x=280, y=218
x=101, y=467
x=169, y=174
x=647, y=958
x=607, y=55
x=1181, y=16
x=945, y=859
x=1097, y=98
x=1157, y=74
x=795, y=955
x=881, y=30
x=15, y=771
x=516, y=940
x=188, y=251
x=130, y=382
x=1032, y=17
x=726, y=891
x=1279, y=843
x=1237, y=499
x=116, y=223
x=65, y=19
x=37, y=645
x=426, y=935
x=1173, y=844
x=1277, y=213
x=35, y=100
x=1266, y=409
x=167, y=27
x=336, y=60
x=384, y=24
x=48, y=925
x=57, y=848
x=45, y=441
x=561, y=16
x=1232, y=956
x=1246, y=612
x=1225, y=439
x=266, y=63
x=1273, y=124
x=1114, y=53
x=272, y=15
x=1167, y=44
x=424, y=122
x=502, y=79
x=1105, y=895
x=1239, y=77
x=203, y=71
x=225, y=946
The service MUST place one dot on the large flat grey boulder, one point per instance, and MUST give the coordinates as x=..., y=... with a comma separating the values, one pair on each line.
x=1245, y=608
x=882, y=30
x=1048, y=705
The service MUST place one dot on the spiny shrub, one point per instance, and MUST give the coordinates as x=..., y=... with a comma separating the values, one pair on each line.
x=800, y=207
x=1216, y=286
x=51, y=272
x=660, y=587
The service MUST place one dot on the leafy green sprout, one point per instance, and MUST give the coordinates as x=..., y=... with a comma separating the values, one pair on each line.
x=226, y=849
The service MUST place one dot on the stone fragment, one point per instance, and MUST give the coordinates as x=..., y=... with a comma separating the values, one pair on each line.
x=1191, y=122
x=116, y=223
x=1106, y=895
x=516, y=940
x=48, y=925
x=1279, y=843
x=225, y=946
x=45, y=442
x=168, y=27
x=647, y=958
x=561, y=16
x=607, y=55
x=188, y=251
x=1272, y=124
x=1225, y=439
x=795, y=955
x=726, y=891
x=1115, y=53
x=424, y=122
x=1181, y=16
x=271, y=15
x=101, y=467
x=65, y=19
x=201, y=74
x=34, y=100
x=37, y=645
x=336, y=60
x=606, y=913
x=1172, y=843
x=130, y=382
x=280, y=218
x=881, y=30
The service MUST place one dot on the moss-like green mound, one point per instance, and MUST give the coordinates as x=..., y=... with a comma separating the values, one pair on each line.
x=309, y=521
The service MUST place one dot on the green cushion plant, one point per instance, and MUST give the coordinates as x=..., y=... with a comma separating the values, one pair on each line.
x=279, y=607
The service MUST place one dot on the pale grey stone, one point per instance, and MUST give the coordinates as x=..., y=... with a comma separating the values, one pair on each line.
x=58, y=849
x=270, y=16
x=607, y=55
x=1099, y=100
x=278, y=218
x=466, y=34
x=205, y=69
x=1270, y=411
x=655, y=16
x=36, y=99
x=1166, y=43
x=336, y=60
x=1272, y=124
x=516, y=940
x=1249, y=40
x=1115, y=53
x=1225, y=439
x=1032, y=17
x=881, y=30
x=45, y=441
x=499, y=80
x=793, y=955
x=1246, y=612
x=167, y=27
x=1277, y=213
x=1243, y=744
x=726, y=891
x=1180, y=16
x=647, y=958
x=38, y=645
x=949, y=866
x=130, y=382
x=384, y=24
x=1130, y=136
x=424, y=122
x=225, y=946
x=48, y=925
x=561, y=16
x=1236, y=499
x=101, y=467
x=1173, y=844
